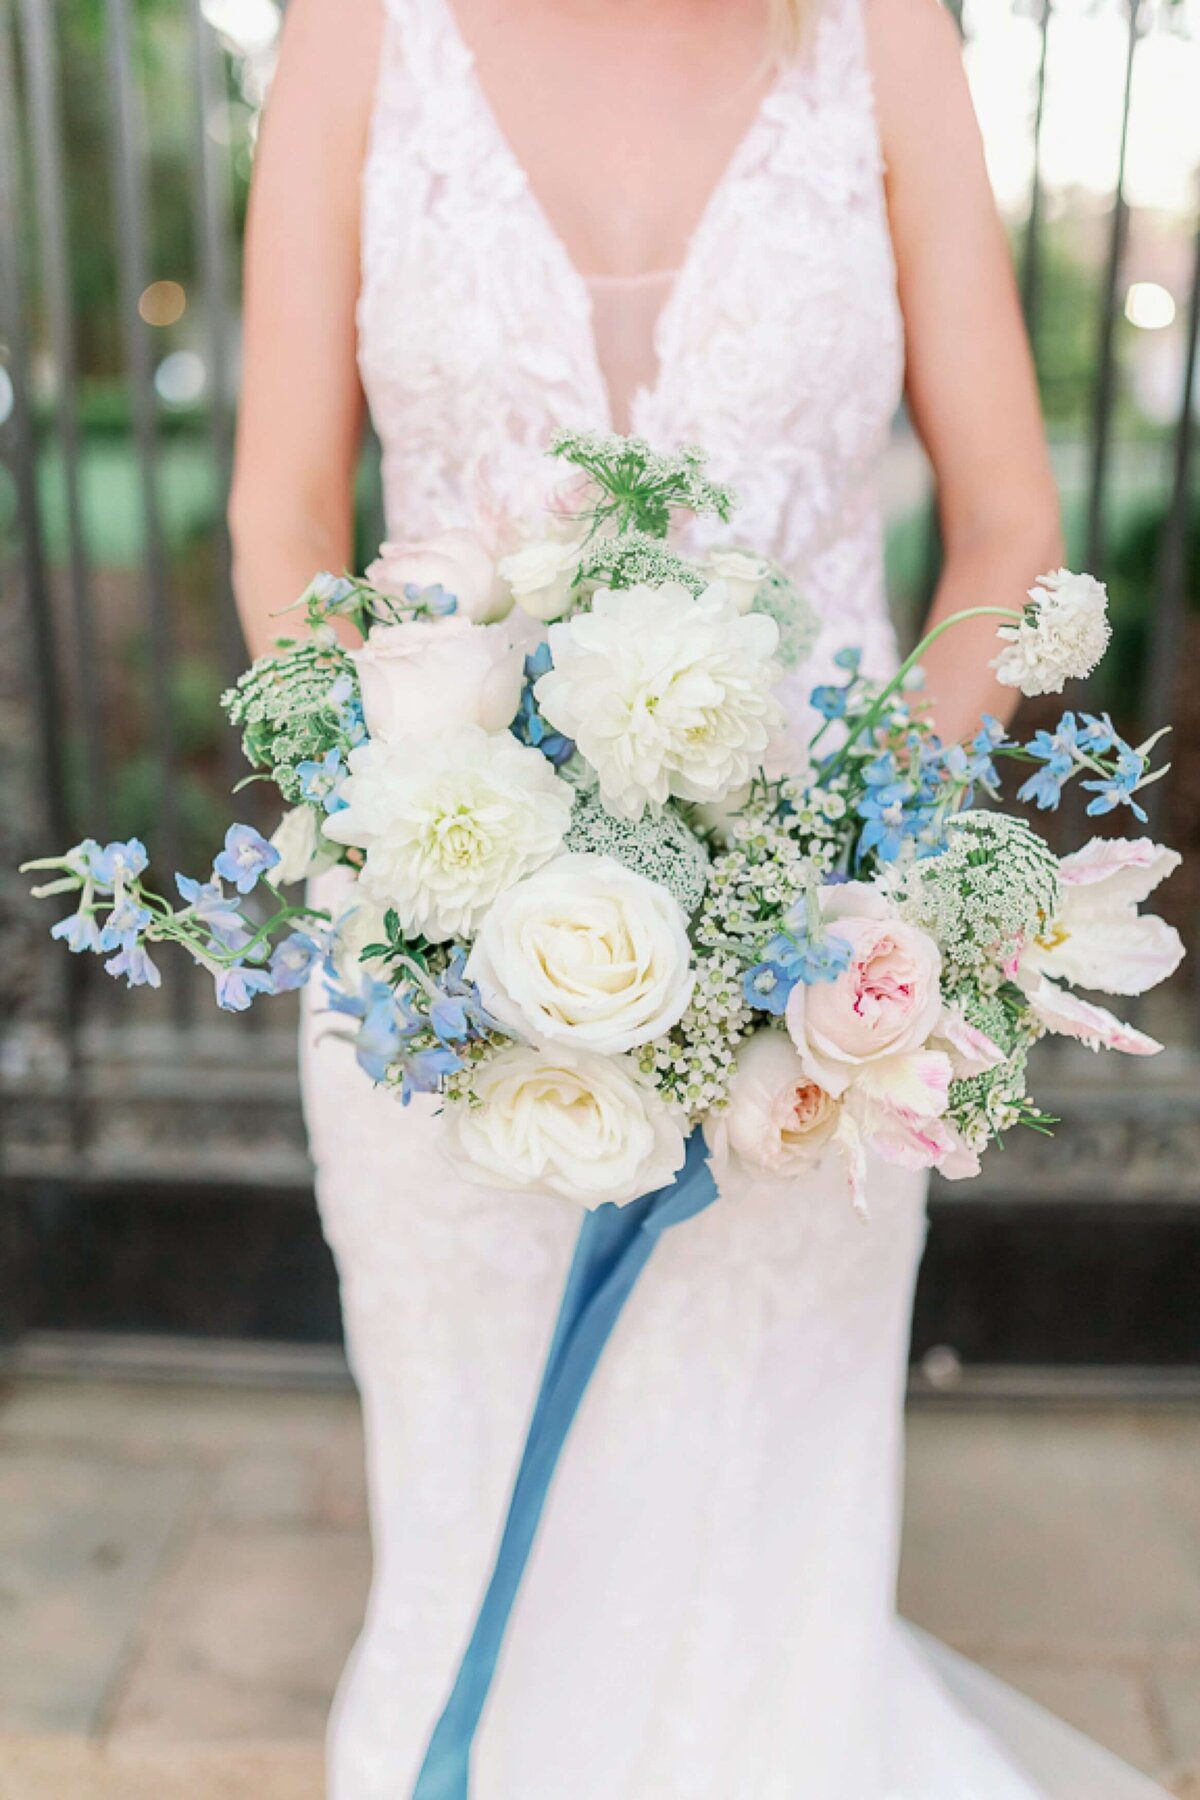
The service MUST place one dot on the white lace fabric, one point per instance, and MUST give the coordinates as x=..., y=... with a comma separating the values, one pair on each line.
x=708, y=1613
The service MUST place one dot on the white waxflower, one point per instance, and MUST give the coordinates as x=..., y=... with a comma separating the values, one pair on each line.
x=448, y=822
x=540, y=575
x=664, y=693
x=584, y=952
x=570, y=1123
x=1061, y=636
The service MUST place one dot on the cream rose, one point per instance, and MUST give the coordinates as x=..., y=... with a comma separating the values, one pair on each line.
x=585, y=952
x=540, y=575
x=302, y=851
x=742, y=572
x=777, y=1119
x=569, y=1123
x=430, y=674
x=884, y=1006
x=455, y=560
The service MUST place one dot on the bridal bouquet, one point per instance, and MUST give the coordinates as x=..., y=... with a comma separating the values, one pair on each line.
x=595, y=896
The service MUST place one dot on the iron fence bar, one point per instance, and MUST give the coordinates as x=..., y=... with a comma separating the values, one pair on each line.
x=1031, y=262
x=43, y=96
x=213, y=221
x=1105, y=389
x=40, y=635
x=129, y=184
x=1169, y=614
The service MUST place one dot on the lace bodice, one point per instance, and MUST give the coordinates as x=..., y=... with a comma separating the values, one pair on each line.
x=777, y=346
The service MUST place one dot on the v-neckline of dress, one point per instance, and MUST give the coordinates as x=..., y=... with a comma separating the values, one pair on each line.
x=575, y=281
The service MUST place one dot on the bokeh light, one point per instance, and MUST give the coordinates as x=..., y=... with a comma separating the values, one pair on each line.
x=163, y=303
x=1149, y=306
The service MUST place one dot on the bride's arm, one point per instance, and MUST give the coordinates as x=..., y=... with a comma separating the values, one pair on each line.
x=300, y=416
x=970, y=382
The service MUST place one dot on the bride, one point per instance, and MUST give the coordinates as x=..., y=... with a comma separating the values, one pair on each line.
x=749, y=227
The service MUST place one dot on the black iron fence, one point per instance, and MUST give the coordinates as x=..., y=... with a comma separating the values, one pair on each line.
x=126, y=134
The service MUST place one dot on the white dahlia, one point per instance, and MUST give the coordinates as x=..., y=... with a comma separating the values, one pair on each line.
x=664, y=693
x=448, y=822
x=1060, y=637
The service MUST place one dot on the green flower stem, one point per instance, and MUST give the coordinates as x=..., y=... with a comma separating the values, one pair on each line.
x=870, y=717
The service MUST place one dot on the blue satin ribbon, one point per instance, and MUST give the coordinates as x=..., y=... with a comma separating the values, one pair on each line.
x=613, y=1247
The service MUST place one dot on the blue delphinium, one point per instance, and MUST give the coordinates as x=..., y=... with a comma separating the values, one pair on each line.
x=133, y=962
x=1056, y=751
x=78, y=931
x=236, y=987
x=320, y=782
x=292, y=960
x=767, y=987
x=246, y=857
x=529, y=727
x=117, y=864
x=801, y=952
x=1118, y=787
x=211, y=904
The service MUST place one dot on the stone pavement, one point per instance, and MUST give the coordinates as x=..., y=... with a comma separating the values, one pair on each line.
x=182, y=1572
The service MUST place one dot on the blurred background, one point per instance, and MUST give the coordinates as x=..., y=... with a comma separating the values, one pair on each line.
x=156, y=1214
x=155, y=1184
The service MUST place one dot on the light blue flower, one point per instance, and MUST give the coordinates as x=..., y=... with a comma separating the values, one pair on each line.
x=425, y=1070
x=807, y=958
x=133, y=962
x=79, y=932
x=211, y=904
x=1098, y=735
x=320, y=781
x=329, y=591
x=849, y=658
x=236, y=987
x=434, y=599
x=292, y=960
x=124, y=925
x=829, y=701
x=767, y=987
x=246, y=856
x=1117, y=789
x=118, y=863
x=1057, y=750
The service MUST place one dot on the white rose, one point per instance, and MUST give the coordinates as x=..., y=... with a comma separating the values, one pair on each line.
x=540, y=575
x=566, y=1122
x=298, y=840
x=448, y=822
x=585, y=952
x=777, y=1118
x=664, y=693
x=455, y=560
x=430, y=674
x=871, y=1022
x=742, y=572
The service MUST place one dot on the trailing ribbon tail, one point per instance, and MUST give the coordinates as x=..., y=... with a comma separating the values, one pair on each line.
x=613, y=1247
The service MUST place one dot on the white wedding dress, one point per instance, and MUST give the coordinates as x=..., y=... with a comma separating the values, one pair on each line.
x=709, y=1610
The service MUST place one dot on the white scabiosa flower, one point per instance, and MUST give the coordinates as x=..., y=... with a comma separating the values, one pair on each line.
x=569, y=1123
x=584, y=952
x=664, y=693
x=448, y=822
x=1061, y=635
